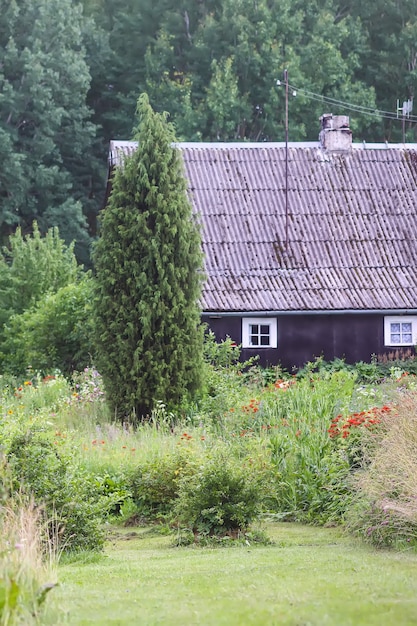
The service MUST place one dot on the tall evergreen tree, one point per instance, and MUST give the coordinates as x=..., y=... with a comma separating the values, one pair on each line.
x=148, y=278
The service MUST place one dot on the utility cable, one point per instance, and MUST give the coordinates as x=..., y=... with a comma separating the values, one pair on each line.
x=380, y=114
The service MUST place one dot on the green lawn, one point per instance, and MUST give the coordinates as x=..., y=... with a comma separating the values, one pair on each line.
x=310, y=576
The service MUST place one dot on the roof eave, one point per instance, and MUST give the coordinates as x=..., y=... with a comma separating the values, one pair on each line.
x=402, y=311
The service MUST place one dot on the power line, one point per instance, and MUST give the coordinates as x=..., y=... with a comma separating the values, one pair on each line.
x=380, y=114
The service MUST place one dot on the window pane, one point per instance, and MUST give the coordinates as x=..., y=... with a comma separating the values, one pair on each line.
x=407, y=338
x=265, y=329
x=254, y=329
x=264, y=340
x=406, y=327
x=395, y=328
x=395, y=338
x=254, y=340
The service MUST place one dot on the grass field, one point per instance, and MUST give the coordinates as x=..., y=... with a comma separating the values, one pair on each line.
x=309, y=576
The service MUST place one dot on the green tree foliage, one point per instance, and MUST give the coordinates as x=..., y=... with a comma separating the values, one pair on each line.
x=31, y=269
x=148, y=273
x=54, y=334
x=213, y=64
x=389, y=59
x=45, y=128
x=33, y=265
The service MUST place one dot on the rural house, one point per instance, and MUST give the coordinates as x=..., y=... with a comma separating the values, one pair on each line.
x=310, y=248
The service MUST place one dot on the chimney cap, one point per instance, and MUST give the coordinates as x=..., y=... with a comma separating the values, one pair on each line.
x=334, y=122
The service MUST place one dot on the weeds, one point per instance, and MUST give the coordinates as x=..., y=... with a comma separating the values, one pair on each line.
x=308, y=436
x=27, y=564
x=385, y=513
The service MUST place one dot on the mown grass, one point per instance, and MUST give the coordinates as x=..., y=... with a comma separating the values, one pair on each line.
x=310, y=576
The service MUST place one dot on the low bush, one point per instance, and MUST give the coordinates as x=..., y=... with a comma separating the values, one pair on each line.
x=155, y=482
x=223, y=497
x=73, y=505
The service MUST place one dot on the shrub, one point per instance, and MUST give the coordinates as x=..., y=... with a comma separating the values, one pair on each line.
x=73, y=504
x=54, y=334
x=33, y=266
x=220, y=354
x=222, y=497
x=224, y=382
x=155, y=483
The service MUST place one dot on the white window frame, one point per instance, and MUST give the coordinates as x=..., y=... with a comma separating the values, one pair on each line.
x=247, y=322
x=400, y=319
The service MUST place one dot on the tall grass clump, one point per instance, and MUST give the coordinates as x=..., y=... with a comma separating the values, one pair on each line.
x=27, y=566
x=295, y=415
x=385, y=512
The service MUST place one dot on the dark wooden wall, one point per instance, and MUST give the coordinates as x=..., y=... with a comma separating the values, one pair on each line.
x=302, y=338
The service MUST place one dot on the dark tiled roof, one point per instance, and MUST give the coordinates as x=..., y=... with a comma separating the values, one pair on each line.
x=352, y=225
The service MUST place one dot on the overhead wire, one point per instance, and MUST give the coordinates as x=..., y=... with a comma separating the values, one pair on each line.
x=380, y=114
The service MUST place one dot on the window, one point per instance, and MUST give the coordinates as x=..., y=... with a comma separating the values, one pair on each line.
x=400, y=331
x=259, y=332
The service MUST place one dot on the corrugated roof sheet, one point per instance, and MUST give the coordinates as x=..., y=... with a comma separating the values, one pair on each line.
x=352, y=225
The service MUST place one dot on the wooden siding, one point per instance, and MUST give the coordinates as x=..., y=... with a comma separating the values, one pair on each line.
x=302, y=338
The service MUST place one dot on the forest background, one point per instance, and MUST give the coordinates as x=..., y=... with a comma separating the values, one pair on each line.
x=71, y=73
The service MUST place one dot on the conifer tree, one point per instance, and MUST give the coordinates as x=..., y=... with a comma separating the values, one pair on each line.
x=148, y=264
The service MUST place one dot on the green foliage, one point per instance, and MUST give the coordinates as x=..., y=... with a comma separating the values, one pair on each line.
x=32, y=266
x=46, y=305
x=55, y=334
x=148, y=275
x=220, y=354
x=224, y=379
x=214, y=67
x=73, y=507
x=44, y=120
x=155, y=483
x=313, y=478
x=222, y=497
x=303, y=447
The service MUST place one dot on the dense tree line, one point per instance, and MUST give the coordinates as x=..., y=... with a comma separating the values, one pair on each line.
x=70, y=75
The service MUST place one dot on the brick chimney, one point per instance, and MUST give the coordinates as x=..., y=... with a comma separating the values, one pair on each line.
x=335, y=134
